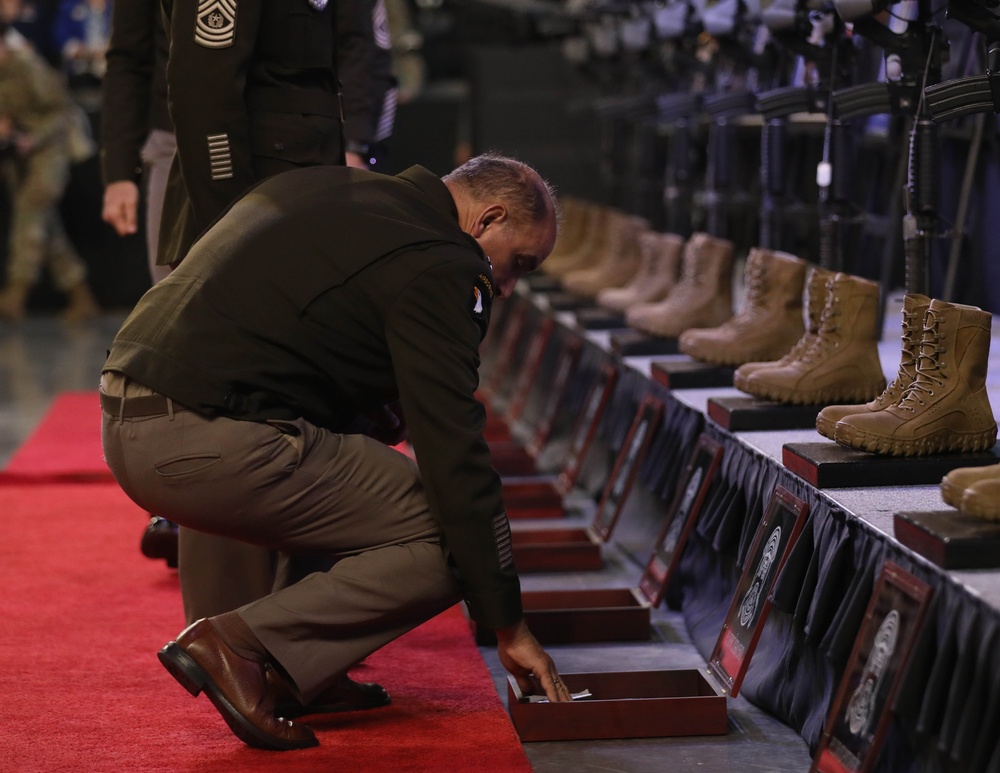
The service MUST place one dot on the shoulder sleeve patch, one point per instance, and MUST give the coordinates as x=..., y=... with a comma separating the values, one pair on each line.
x=482, y=296
x=215, y=24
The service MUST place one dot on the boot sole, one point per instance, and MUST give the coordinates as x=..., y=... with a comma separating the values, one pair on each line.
x=942, y=442
x=195, y=680
x=826, y=428
x=980, y=510
x=951, y=494
x=816, y=397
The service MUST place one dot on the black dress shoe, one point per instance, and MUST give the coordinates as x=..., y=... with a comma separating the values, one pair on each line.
x=159, y=540
x=345, y=695
x=200, y=660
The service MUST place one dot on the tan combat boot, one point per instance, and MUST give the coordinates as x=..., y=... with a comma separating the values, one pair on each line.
x=573, y=226
x=813, y=301
x=945, y=409
x=770, y=322
x=702, y=298
x=589, y=248
x=914, y=308
x=982, y=498
x=841, y=364
x=957, y=482
x=659, y=267
x=616, y=266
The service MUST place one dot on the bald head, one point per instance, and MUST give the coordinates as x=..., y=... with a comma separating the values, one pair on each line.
x=491, y=177
x=510, y=210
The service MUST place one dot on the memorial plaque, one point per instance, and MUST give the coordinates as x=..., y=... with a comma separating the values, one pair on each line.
x=506, y=346
x=860, y=712
x=562, y=549
x=646, y=421
x=950, y=538
x=748, y=414
x=568, y=359
x=690, y=374
x=776, y=534
x=829, y=465
x=585, y=429
x=681, y=518
x=529, y=370
x=542, y=497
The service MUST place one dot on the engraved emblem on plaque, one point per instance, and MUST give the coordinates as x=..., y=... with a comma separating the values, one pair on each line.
x=748, y=609
x=859, y=708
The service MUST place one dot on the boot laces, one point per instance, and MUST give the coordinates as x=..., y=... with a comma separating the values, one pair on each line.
x=930, y=368
x=756, y=287
x=825, y=336
x=907, y=362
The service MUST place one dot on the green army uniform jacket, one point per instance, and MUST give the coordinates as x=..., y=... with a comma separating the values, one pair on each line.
x=326, y=292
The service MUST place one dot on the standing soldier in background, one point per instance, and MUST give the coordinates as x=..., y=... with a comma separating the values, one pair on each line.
x=36, y=123
x=265, y=84
x=260, y=87
x=137, y=135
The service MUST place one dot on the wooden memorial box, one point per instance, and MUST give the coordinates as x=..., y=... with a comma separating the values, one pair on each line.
x=574, y=616
x=675, y=702
x=579, y=548
x=542, y=496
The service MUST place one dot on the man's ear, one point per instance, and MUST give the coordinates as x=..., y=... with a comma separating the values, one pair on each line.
x=493, y=214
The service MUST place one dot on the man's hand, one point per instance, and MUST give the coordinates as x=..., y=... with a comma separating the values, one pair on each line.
x=121, y=203
x=355, y=160
x=522, y=655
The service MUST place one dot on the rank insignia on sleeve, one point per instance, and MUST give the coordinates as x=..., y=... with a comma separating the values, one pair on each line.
x=215, y=25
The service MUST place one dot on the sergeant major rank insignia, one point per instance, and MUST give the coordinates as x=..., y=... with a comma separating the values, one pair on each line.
x=215, y=25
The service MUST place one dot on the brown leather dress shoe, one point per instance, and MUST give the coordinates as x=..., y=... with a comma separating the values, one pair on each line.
x=345, y=695
x=200, y=660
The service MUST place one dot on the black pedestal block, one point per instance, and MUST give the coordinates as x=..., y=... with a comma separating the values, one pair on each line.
x=543, y=283
x=739, y=414
x=691, y=374
x=950, y=539
x=596, y=318
x=828, y=465
x=563, y=301
x=632, y=343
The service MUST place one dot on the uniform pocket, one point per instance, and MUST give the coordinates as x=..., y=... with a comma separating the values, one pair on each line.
x=294, y=139
x=187, y=465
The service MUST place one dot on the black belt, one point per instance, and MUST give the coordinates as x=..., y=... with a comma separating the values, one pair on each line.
x=138, y=407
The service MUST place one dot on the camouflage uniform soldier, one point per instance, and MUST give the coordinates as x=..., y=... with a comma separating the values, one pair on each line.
x=36, y=115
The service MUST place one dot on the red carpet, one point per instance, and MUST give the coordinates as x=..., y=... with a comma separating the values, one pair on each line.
x=84, y=614
x=66, y=446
